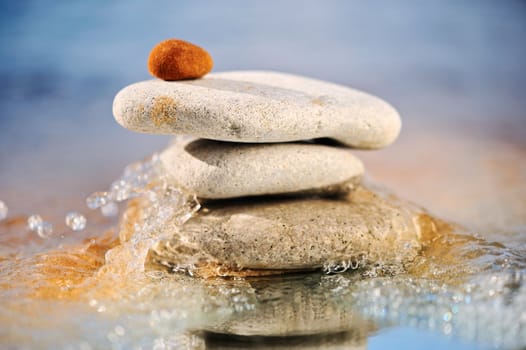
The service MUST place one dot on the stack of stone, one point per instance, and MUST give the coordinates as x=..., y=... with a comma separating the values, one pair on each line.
x=262, y=124
x=269, y=156
x=254, y=140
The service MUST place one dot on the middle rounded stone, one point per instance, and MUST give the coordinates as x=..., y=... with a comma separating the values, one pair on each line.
x=216, y=170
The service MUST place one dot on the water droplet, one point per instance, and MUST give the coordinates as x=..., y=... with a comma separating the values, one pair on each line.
x=120, y=190
x=33, y=222
x=132, y=169
x=76, y=221
x=45, y=229
x=112, y=337
x=119, y=330
x=447, y=328
x=97, y=200
x=447, y=316
x=85, y=346
x=110, y=210
x=3, y=210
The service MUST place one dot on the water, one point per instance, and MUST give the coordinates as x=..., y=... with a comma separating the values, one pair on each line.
x=97, y=200
x=76, y=221
x=454, y=70
x=33, y=222
x=43, y=228
x=111, y=209
x=3, y=211
x=468, y=289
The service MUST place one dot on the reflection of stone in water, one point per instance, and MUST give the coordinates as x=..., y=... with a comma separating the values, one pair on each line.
x=344, y=340
x=291, y=305
x=293, y=311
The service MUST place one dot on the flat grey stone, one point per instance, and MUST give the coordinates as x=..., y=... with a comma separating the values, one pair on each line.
x=273, y=236
x=214, y=170
x=255, y=106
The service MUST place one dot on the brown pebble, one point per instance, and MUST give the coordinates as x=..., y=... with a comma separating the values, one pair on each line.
x=175, y=59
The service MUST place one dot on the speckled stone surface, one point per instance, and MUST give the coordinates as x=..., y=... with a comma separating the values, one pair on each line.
x=215, y=170
x=293, y=234
x=257, y=106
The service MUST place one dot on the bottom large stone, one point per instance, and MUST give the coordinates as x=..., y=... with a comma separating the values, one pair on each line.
x=262, y=236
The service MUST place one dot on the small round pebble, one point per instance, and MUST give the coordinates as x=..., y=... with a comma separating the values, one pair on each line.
x=76, y=221
x=175, y=59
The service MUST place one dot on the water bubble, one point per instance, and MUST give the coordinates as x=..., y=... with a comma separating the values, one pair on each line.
x=332, y=267
x=3, y=210
x=112, y=337
x=142, y=179
x=33, y=222
x=152, y=196
x=132, y=169
x=119, y=330
x=110, y=210
x=76, y=221
x=120, y=190
x=45, y=229
x=97, y=200
x=85, y=346
x=447, y=316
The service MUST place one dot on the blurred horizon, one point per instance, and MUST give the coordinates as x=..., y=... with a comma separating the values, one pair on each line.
x=393, y=49
x=454, y=70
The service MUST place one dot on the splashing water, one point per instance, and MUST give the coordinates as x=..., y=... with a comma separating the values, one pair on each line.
x=488, y=309
x=76, y=221
x=101, y=292
x=43, y=228
x=165, y=205
x=3, y=210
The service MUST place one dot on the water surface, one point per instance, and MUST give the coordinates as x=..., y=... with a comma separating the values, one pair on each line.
x=454, y=70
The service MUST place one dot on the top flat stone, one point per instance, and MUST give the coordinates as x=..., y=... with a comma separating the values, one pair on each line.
x=257, y=106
